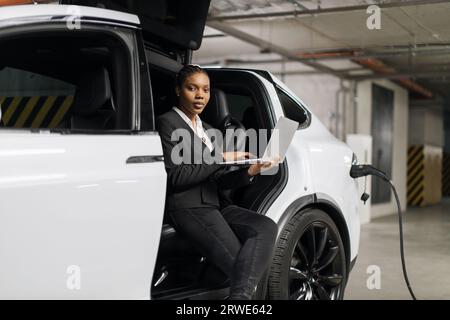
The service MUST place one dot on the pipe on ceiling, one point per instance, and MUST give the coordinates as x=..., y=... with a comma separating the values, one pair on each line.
x=379, y=67
x=296, y=13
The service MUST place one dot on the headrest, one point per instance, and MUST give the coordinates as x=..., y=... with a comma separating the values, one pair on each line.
x=93, y=91
x=217, y=108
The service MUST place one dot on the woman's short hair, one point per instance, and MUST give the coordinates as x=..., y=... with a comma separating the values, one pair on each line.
x=186, y=71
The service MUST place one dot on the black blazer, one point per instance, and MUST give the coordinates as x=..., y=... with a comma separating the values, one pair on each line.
x=194, y=185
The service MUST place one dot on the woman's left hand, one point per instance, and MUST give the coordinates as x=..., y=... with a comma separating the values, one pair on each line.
x=256, y=168
x=237, y=155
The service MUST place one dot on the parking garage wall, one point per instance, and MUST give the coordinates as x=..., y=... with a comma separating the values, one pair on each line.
x=400, y=137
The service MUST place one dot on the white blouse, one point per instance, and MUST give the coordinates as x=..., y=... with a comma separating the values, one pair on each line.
x=198, y=130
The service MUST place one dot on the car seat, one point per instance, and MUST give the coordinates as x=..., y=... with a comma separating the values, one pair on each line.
x=217, y=114
x=93, y=106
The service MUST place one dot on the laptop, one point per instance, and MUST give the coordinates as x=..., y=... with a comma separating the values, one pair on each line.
x=278, y=145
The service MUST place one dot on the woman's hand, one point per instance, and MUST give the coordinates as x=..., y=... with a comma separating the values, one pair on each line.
x=237, y=155
x=256, y=168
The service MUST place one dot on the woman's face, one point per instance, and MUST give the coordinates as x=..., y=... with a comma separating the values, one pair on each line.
x=194, y=94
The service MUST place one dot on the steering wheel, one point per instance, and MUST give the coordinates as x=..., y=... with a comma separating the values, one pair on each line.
x=231, y=123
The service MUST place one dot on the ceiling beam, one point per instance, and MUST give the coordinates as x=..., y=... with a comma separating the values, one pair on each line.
x=402, y=75
x=280, y=61
x=425, y=45
x=311, y=72
x=296, y=13
x=266, y=45
x=298, y=4
x=384, y=71
x=367, y=53
x=438, y=101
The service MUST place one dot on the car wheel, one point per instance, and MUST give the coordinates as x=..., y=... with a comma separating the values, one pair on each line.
x=309, y=260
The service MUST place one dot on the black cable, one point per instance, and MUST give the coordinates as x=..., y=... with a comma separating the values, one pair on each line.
x=365, y=170
x=402, y=253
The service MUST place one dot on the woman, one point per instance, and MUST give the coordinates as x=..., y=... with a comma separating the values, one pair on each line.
x=237, y=240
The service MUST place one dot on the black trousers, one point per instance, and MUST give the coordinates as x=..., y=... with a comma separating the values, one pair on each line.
x=238, y=241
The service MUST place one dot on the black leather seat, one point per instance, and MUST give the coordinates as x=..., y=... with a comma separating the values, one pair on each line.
x=217, y=114
x=217, y=109
x=93, y=106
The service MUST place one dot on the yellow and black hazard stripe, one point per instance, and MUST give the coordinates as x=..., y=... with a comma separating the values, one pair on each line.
x=416, y=175
x=446, y=174
x=34, y=112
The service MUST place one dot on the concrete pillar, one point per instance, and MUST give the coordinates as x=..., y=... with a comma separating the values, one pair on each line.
x=426, y=141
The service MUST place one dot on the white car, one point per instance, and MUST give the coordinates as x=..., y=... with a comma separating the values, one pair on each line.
x=82, y=178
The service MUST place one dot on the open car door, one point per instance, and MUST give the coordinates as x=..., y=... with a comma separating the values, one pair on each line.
x=176, y=23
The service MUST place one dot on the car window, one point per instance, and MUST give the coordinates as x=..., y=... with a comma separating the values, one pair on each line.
x=76, y=82
x=292, y=110
x=31, y=100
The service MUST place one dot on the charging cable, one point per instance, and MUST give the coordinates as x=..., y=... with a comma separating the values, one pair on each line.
x=364, y=170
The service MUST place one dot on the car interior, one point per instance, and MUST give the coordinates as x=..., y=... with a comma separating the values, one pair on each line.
x=181, y=271
x=87, y=72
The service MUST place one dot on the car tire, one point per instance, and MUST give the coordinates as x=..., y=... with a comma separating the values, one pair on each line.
x=309, y=259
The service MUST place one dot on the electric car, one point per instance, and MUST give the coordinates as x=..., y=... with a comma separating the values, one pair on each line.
x=82, y=178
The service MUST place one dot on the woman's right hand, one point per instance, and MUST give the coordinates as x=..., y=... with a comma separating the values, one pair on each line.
x=237, y=155
x=256, y=168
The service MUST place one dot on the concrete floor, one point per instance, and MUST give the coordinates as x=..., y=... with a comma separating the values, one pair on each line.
x=427, y=251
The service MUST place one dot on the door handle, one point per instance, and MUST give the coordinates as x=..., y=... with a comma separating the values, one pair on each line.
x=144, y=159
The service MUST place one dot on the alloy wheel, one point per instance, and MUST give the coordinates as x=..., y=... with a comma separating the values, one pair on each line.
x=317, y=270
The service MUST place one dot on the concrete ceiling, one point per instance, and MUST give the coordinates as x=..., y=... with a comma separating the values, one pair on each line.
x=414, y=38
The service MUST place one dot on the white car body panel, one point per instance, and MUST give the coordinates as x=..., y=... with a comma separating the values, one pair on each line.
x=44, y=12
x=71, y=200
